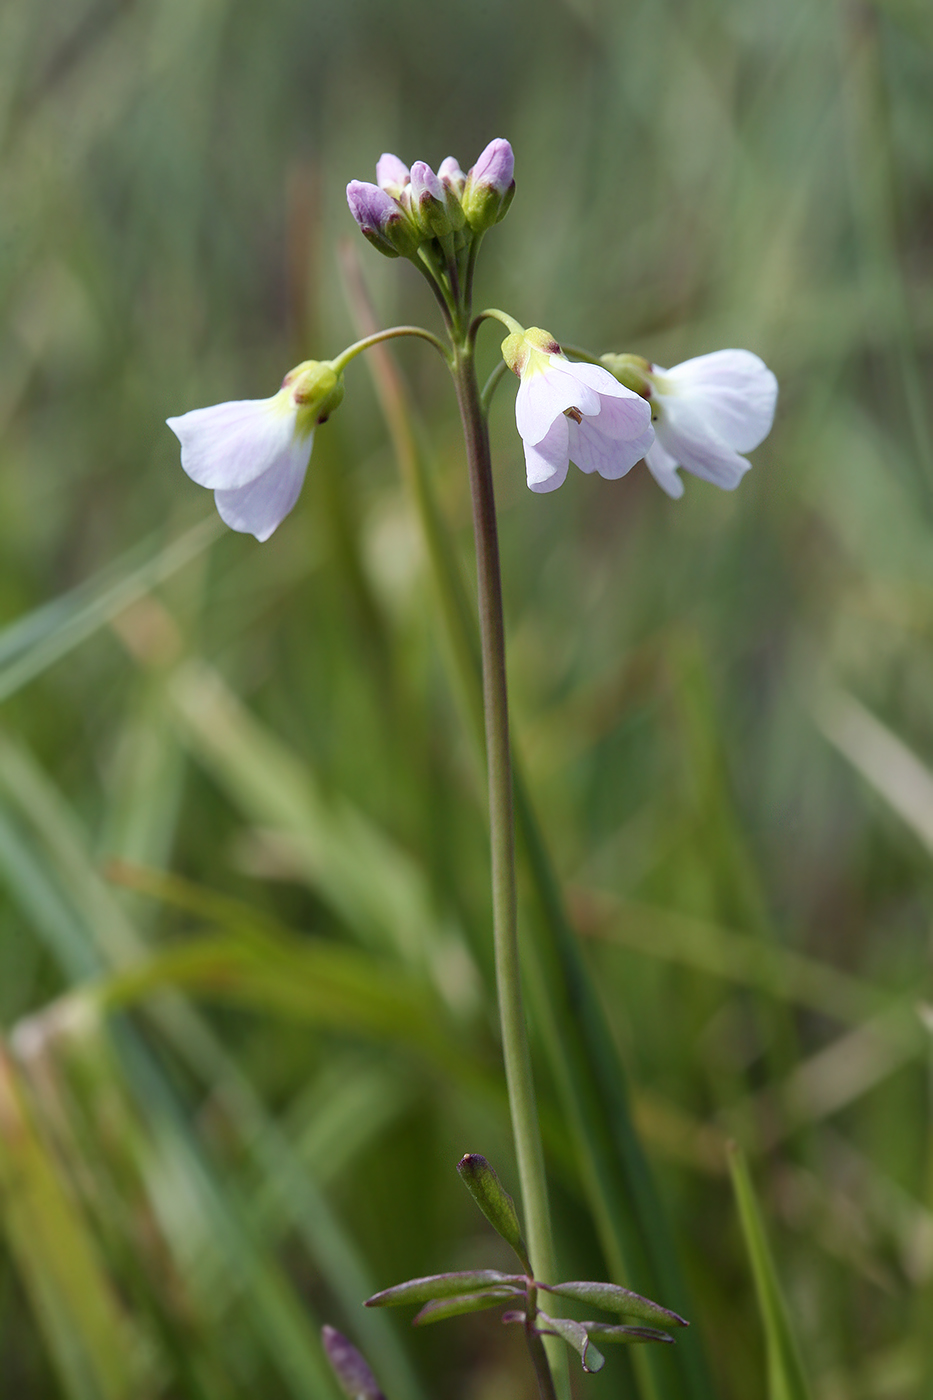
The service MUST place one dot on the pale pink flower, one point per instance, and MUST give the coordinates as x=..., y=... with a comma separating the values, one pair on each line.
x=706, y=413
x=567, y=412
x=253, y=453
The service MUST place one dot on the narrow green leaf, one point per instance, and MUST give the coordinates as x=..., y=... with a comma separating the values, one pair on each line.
x=618, y=1300
x=608, y=1332
x=469, y=1303
x=786, y=1377
x=34, y=642
x=89, y=1338
x=576, y=1336
x=424, y=1290
x=483, y=1184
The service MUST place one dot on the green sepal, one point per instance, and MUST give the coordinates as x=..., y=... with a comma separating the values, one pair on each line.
x=494, y=1201
x=612, y=1298
x=426, y=1290
x=576, y=1336
x=442, y=1308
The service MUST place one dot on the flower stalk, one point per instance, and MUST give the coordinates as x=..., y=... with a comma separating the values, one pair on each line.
x=515, y=1049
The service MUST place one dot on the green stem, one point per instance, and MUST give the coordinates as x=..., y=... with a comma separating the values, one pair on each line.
x=357, y=348
x=515, y=1049
x=540, y=1362
x=576, y=352
x=492, y=384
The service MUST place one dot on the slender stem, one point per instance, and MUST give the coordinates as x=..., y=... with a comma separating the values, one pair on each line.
x=576, y=352
x=540, y=1362
x=433, y=273
x=492, y=384
x=357, y=348
x=492, y=313
x=475, y=241
x=515, y=1049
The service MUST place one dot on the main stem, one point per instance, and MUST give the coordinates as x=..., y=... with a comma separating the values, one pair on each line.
x=515, y=1049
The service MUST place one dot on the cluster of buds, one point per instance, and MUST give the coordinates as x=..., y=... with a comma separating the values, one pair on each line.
x=605, y=416
x=405, y=209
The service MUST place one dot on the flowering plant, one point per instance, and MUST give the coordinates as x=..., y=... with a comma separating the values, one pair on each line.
x=605, y=414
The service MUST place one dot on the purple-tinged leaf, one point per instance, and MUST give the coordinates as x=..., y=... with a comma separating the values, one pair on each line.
x=442, y=1308
x=617, y=1300
x=494, y=1201
x=356, y=1379
x=608, y=1332
x=576, y=1336
x=426, y=1290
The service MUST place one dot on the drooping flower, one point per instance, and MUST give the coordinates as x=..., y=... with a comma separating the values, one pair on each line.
x=253, y=453
x=706, y=412
x=571, y=412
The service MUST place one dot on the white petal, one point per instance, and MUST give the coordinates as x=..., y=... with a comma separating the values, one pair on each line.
x=595, y=446
x=546, y=462
x=261, y=505
x=736, y=392
x=594, y=377
x=682, y=431
x=663, y=468
x=626, y=419
x=544, y=394
x=230, y=444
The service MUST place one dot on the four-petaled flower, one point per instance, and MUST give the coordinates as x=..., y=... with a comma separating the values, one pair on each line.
x=253, y=453
x=706, y=412
x=570, y=412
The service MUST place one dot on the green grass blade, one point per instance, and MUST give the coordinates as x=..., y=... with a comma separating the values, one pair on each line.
x=786, y=1377
x=89, y=1338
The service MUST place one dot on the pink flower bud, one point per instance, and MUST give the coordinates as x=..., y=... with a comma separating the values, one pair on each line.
x=391, y=174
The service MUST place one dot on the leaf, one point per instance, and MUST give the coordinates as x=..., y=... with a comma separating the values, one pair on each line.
x=483, y=1184
x=350, y=1367
x=576, y=1336
x=608, y=1332
x=786, y=1377
x=468, y=1303
x=77, y=1309
x=424, y=1290
x=618, y=1300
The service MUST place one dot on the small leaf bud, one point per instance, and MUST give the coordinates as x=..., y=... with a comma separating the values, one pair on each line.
x=494, y=1201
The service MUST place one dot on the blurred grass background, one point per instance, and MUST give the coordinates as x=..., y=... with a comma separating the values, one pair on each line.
x=241, y=1065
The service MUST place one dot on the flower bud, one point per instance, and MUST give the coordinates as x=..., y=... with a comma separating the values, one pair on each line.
x=451, y=176
x=392, y=174
x=634, y=371
x=429, y=201
x=381, y=220
x=489, y=186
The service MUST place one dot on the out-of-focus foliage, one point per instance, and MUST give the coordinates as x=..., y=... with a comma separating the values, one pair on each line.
x=245, y=964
